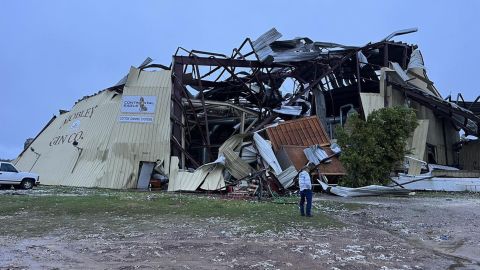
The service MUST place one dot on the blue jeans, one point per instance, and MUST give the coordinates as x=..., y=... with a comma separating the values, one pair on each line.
x=306, y=194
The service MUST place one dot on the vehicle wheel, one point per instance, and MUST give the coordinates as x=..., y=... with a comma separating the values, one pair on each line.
x=26, y=184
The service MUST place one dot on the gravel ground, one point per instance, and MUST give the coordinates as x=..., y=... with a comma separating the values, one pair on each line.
x=425, y=231
x=440, y=226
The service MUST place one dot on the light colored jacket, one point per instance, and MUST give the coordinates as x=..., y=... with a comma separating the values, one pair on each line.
x=304, y=180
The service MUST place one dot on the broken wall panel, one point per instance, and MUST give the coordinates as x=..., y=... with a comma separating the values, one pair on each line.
x=266, y=152
x=303, y=132
x=214, y=180
x=445, y=118
x=371, y=102
x=234, y=164
x=111, y=142
x=286, y=178
x=206, y=177
x=292, y=155
x=417, y=143
x=469, y=156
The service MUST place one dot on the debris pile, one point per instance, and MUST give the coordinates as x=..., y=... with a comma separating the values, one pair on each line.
x=247, y=122
x=271, y=107
x=258, y=164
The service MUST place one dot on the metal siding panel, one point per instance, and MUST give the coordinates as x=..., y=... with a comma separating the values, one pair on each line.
x=303, y=132
x=265, y=150
x=470, y=156
x=296, y=155
x=371, y=102
x=417, y=142
x=112, y=150
x=214, y=180
x=234, y=164
x=89, y=167
x=287, y=177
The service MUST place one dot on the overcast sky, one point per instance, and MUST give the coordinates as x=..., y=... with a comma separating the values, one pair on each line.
x=54, y=52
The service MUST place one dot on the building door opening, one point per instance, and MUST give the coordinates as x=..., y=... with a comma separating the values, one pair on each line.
x=431, y=154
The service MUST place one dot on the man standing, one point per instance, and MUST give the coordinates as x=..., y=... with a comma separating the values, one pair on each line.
x=305, y=191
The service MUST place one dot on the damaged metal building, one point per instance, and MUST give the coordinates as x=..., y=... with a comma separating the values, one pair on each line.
x=252, y=118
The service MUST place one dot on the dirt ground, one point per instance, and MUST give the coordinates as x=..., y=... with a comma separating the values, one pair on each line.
x=424, y=231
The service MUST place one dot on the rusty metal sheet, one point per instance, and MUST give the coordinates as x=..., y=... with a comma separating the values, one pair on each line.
x=294, y=155
x=302, y=132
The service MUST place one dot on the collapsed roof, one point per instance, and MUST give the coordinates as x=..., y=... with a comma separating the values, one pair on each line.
x=268, y=80
x=215, y=113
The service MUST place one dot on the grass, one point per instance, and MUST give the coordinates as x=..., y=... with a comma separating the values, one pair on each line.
x=52, y=209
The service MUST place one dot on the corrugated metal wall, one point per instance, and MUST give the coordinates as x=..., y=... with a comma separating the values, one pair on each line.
x=470, y=156
x=111, y=150
x=435, y=135
x=303, y=131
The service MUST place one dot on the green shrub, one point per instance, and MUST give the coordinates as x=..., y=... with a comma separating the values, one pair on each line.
x=371, y=149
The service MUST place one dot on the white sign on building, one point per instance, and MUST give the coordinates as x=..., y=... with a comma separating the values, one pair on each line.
x=139, y=104
x=136, y=118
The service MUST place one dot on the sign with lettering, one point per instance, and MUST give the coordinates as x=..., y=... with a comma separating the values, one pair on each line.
x=73, y=123
x=80, y=114
x=136, y=119
x=67, y=138
x=139, y=104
